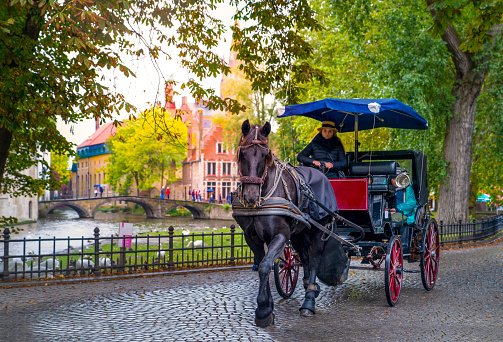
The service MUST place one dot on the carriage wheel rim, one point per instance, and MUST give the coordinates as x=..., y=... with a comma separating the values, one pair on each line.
x=431, y=254
x=394, y=273
x=289, y=271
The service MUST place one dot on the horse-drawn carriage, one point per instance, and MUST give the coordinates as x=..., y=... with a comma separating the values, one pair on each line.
x=274, y=205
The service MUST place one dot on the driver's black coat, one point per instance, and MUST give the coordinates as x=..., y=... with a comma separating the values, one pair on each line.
x=325, y=151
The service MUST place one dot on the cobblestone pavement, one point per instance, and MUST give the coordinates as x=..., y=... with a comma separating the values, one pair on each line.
x=465, y=305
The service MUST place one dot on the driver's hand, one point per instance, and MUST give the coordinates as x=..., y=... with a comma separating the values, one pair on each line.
x=316, y=163
x=329, y=165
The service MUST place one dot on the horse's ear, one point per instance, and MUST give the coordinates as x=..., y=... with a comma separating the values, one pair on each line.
x=266, y=129
x=245, y=128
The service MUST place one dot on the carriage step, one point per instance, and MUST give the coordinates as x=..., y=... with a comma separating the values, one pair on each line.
x=409, y=271
x=365, y=268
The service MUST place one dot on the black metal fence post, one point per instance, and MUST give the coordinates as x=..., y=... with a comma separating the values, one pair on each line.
x=171, y=264
x=6, y=236
x=233, y=231
x=441, y=230
x=97, y=271
x=459, y=230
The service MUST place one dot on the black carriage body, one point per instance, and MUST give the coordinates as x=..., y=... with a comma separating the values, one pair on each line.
x=372, y=173
x=365, y=196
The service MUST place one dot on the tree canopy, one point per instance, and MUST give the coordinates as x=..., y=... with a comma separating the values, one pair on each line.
x=142, y=156
x=427, y=55
x=59, y=163
x=54, y=54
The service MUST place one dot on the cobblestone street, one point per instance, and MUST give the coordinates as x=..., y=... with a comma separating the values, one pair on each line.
x=465, y=305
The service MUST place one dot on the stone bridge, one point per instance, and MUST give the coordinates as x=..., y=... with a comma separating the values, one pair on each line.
x=154, y=207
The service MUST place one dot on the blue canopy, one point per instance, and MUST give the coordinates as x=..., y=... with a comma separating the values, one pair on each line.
x=369, y=113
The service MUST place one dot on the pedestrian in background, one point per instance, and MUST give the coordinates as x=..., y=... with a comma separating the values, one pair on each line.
x=101, y=191
x=162, y=193
x=199, y=195
x=168, y=192
x=229, y=198
x=95, y=192
x=193, y=195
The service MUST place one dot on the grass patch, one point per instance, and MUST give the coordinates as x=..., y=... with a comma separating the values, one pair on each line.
x=150, y=250
x=110, y=209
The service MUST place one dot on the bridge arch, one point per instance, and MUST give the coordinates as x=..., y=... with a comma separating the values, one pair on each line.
x=154, y=207
x=78, y=208
x=150, y=211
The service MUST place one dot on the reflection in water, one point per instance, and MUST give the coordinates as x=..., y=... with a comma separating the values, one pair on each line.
x=67, y=224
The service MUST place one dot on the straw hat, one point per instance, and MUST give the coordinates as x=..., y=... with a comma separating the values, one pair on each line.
x=328, y=124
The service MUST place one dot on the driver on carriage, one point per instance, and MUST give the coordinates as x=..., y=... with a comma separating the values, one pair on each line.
x=405, y=201
x=326, y=152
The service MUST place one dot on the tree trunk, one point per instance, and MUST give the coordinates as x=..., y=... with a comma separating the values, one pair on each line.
x=454, y=191
x=5, y=141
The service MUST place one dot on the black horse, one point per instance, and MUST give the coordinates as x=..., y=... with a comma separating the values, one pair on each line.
x=260, y=179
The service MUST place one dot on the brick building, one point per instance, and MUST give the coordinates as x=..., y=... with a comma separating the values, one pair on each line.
x=209, y=165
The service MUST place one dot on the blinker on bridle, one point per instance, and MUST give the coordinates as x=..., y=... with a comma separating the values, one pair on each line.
x=262, y=144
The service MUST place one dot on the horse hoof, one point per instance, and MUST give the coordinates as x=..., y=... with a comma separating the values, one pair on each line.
x=265, y=322
x=308, y=308
x=306, y=313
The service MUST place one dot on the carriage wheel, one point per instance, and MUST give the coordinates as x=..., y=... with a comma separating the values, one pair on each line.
x=286, y=271
x=393, y=270
x=430, y=255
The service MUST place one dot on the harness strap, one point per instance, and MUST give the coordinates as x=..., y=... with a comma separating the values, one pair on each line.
x=354, y=247
x=273, y=211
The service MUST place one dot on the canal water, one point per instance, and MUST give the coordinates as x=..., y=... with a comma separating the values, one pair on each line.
x=68, y=224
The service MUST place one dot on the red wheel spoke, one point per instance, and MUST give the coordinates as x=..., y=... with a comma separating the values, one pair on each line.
x=284, y=279
x=291, y=278
x=427, y=257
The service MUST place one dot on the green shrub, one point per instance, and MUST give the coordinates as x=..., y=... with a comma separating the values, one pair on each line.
x=178, y=211
x=126, y=210
x=138, y=209
x=226, y=206
x=110, y=209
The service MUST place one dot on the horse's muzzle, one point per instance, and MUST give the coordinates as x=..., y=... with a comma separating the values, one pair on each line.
x=251, y=195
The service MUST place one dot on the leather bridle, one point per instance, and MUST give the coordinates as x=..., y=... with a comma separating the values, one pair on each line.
x=262, y=144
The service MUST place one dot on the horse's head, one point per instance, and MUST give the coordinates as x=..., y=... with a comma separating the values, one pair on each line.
x=254, y=157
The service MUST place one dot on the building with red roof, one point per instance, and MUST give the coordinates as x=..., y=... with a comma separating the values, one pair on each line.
x=88, y=170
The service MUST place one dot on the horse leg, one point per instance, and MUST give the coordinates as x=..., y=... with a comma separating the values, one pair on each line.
x=264, y=315
x=312, y=289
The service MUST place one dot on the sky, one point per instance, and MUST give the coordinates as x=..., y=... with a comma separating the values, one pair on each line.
x=141, y=91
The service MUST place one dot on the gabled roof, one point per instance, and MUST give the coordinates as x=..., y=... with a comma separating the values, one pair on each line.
x=100, y=136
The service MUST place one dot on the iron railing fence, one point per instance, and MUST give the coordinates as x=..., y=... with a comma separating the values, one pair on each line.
x=102, y=255
x=105, y=255
x=460, y=232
